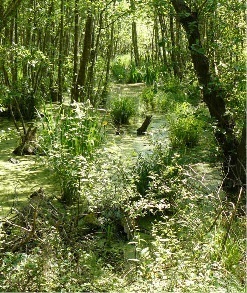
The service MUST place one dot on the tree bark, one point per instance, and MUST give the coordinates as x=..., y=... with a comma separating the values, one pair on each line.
x=108, y=64
x=213, y=95
x=60, y=54
x=134, y=36
x=163, y=35
x=76, y=49
x=93, y=58
x=173, y=51
x=81, y=79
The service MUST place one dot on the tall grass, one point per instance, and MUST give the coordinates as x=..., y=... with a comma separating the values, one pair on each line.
x=70, y=136
x=185, y=129
x=122, y=109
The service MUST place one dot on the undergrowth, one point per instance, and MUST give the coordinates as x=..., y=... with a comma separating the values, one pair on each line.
x=156, y=227
x=105, y=242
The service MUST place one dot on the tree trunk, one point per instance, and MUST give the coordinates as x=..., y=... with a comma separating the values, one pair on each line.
x=163, y=43
x=93, y=58
x=178, y=42
x=8, y=13
x=173, y=51
x=60, y=55
x=81, y=79
x=134, y=36
x=108, y=64
x=155, y=41
x=76, y=44
x=213, y=95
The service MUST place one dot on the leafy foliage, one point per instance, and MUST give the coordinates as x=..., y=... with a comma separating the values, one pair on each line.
x=182, y=251
x=148, y=97
x=122, y=109
x=70, y=139
x=119, y=71
x=160, y=223
x=124, y=71
x=184, y=128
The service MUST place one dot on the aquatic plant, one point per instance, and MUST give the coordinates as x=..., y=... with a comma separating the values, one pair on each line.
x=122, y=109
x=70, y=136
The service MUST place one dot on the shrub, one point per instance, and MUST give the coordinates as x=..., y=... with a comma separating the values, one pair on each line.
x=184, y=128
x=120, y=68
x=157, y=179
x=148, y=97
x=125, y=71
x=122, y=109
x=164, y=102
x=169, y=95
x=119, y=71
x=135, y=75
x=150, y=75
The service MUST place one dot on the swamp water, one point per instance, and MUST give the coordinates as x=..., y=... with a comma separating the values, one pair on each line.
x=128, y=144
x=18, y=181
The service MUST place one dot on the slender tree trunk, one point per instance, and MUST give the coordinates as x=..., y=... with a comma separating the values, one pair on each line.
x=213, y=95
x=51, y=48
x=108, y=63
x=135, y=36
x=81, y=79
x=156, y=47
x=174, y=49
x=164, y=45
x=76, y=44
x=178, y=42
x=93, y=57
x=9, y=12
x=15, y=65
x=60, y=55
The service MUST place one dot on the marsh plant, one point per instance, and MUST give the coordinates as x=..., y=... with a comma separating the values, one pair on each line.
x=200, y=247
x=184, y=127
x=119, y=69
x=122, y=109
x=148, y=97
x=70, y=136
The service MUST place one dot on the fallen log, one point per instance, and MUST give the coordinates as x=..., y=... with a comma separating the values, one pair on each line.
x=141, y=130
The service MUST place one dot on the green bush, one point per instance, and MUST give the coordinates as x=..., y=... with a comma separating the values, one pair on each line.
x=148, y=97
x=125, y=71
x=119, y=71
x=120, y=68
x=150, y=74
x=134, y=74
x=157, y=179
x=165, y=102
x=197, y=248
x=184, y=128
x=122, y=109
